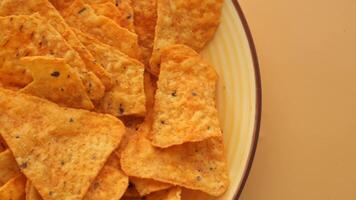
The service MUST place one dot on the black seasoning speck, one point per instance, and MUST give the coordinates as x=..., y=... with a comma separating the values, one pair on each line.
x=209, y=127
x=55, y=74
x=23, y=165
x=62, y=89
x=198, y=178
x=211, y=168
x=117, y=2
x=62, y=162
x=68, y=76
x=71, y=120
x=194, y=94
x=163, y=122
x=93, y=157
x=27, y=53
x=128, y=17
x=174, y=93
x=81, y=10
x=50, y=193
x=21, y=27
x=17, y=136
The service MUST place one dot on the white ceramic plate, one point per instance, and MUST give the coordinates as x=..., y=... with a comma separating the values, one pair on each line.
x=239, y=94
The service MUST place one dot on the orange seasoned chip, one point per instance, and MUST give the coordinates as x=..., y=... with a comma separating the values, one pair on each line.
x=192, y=23
x=122, y=14
x=30, y=35
x=110, y=184
x=83, y=17
x=70, y=145
x=170, y=194
x=184, y=108
x=145, y=13
x=56, y=81
x=14, y=189
x=148, y=186
x=127, y=96
x=8, y=167
x=198, y=166
x=52, y=16
x=31, y=192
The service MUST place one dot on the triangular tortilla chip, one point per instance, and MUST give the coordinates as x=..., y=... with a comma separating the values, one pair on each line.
x=122, y=14
x=31, y=192
x=171, y=194
x=199, y=166
x=69, y=145
x=24, y=35
x=127, y=96
x=82, y=16
x=47, y=11
x=8, y=167
x=148, y=186
x=145, y=13
x=192, y=23
x=185, y=108
x=56, y=81
x=14, y=189
x=110, y=184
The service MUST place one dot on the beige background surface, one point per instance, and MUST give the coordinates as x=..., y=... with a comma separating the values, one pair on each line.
x=307, y=54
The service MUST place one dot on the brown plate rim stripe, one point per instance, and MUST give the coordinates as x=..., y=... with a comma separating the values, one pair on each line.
x=258, y=99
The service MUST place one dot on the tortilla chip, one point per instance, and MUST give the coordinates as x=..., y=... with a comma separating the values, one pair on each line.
x=185, y=99
x=56, y=81
x=127, y=96
x=14, y=189
x=171, y=194
x=8, y=167
x=192, y=23
x=199, y=166
x=110, y=184
x=47, y=11
x=122, y=15
x=31, y=36
x=31, y=192
x=145, y=13
x=148, y=186
x=82, y=16
x=70, y=145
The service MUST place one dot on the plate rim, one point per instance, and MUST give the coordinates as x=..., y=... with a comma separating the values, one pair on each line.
x=258, y=105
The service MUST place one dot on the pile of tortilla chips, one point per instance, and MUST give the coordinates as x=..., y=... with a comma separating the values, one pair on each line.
x=108, y=100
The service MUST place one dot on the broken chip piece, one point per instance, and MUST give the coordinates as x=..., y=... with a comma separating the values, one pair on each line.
x=184, y=109
x=83, y=17
x=50, y=14
x=30, y=35
x=127, y=96
x=148, y=186
x=192, y=23
x=56, y=81
x=71, y=145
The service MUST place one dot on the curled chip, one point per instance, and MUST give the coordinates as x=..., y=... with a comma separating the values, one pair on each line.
x=82, y=16
x=56, y=81
x=71, y=145
x=147, y=186
x=127, y=96
x=50, y=14
x=145, y=13
x=184, y=109
x=14, y=189
x=8, y=167
x=110, y=184
x=198, y=166
x=31, y=192
x=30, y=35
x=170, y=194
x=192, y=23
x=122, y=14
